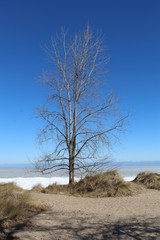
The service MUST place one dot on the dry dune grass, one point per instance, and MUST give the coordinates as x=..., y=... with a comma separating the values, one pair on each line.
x=16, y=204
x=148, y=179
x=54, y=189
x=108, y=184
x=38, y=188
x=60, y=189
x=10, y=187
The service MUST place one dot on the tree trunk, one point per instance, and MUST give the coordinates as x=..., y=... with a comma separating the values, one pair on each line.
x=71, y=170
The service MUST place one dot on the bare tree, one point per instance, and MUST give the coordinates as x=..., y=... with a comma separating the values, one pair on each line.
x=78, y=118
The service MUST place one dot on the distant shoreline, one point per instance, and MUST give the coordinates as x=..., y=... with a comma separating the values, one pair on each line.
x=112, y=164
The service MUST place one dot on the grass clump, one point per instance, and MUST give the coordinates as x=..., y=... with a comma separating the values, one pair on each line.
x=108, y=184
x=149, y=180
x=66, y=189
x=10, y=187
x=16, y=204
x=38, y=189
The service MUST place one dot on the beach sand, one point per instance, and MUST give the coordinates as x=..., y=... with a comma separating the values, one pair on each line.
x=136, y=217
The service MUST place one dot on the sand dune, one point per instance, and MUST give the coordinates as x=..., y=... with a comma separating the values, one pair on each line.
x=136, y=217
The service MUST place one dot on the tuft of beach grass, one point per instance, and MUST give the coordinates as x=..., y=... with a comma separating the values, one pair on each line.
x=17, y=204
x=148, y=179
x=107, y=184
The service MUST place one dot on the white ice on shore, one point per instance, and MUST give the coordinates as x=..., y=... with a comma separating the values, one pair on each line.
x=29, y=183
x=128, y=179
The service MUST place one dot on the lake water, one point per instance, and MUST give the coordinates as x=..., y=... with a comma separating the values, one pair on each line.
x=27, y=178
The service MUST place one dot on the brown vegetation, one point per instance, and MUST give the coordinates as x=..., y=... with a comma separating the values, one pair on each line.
x=54, y=189
x=108, y=184
x=148, y=179
x=38, y=189
x=16, y=205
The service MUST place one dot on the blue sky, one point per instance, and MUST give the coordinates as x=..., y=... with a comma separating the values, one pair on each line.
x=132, y=34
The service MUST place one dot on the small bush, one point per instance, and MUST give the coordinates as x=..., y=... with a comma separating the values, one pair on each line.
x=148, y=179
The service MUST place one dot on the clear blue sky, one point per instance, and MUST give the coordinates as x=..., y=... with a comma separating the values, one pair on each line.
x=132, y=34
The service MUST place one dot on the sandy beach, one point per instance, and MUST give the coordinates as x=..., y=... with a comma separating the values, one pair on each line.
x=136, y=217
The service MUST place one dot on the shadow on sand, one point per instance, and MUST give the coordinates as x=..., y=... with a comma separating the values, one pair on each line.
x=87, y=228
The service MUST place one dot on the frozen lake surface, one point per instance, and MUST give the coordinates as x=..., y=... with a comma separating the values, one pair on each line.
x=26, y=178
